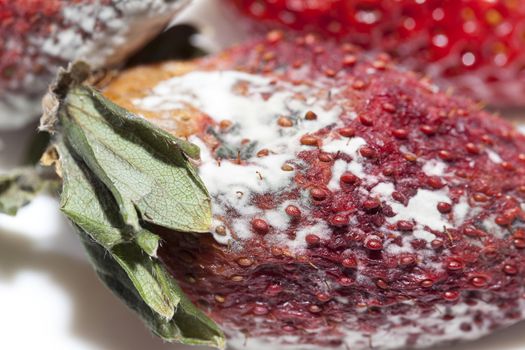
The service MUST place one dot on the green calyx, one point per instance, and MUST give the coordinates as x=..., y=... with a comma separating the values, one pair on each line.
x=19, y=186
x=121, y=176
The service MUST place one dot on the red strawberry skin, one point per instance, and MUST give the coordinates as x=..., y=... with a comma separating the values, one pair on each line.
x=38, y=36
x=374, y=279
x=475, y=46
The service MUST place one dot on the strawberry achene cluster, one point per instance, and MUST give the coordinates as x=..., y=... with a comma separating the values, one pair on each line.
x=454, y=40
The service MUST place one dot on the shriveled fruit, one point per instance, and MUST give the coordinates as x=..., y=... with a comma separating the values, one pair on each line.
x=404, y=232
x=38, y=36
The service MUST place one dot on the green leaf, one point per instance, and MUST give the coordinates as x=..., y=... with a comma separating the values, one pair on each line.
x=143, y=273
x=122, y=178
x=20, y=186
x=144, y=167
x=188, y=325
x=89, y=204
x=124, y=264
x=149, y=242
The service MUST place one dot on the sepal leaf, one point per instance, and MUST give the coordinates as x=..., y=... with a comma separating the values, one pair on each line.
x=188, y=325
x=144, y=167
x=19, y=186
x=123, y=178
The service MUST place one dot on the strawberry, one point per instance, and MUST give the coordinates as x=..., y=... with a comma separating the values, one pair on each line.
x=37, y=36
x=355, y=205
x=474, y=45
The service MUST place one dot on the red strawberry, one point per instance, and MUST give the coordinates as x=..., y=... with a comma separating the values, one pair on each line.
x=37, y=36
x=355, y=205
x=474, y=45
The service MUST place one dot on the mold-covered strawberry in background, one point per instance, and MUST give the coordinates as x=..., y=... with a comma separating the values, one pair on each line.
x=355, y=205
x=475, y=46
x=37, y=36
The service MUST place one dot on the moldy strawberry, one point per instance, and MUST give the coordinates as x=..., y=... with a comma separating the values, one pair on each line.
x=475, y=46
x=38, y=36
x=395, y=226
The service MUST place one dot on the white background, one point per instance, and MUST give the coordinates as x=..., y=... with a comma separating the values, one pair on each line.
x=50, y=298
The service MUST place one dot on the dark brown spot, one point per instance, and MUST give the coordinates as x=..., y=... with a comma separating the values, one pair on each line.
x=310, y=116
x=260, y=226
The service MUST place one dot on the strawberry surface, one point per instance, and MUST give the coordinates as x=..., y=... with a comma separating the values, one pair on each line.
x=474, y=45
x=38, y=36
x=355, y=205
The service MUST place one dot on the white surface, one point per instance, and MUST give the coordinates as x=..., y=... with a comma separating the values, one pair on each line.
x=253, y=118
